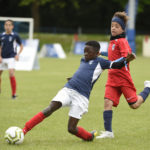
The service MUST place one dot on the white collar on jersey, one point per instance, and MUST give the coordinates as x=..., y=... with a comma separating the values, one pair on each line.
x=12, y=33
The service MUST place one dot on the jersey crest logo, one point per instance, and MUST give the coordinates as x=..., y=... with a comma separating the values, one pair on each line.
x=10, y=39
x=113, y=47
x=90, y=62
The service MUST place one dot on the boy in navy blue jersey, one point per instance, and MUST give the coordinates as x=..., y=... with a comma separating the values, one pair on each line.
x=8, y=53
x=76, y=91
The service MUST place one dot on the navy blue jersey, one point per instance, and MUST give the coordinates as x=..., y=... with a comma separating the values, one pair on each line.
x=9, y=44
x=87, y=74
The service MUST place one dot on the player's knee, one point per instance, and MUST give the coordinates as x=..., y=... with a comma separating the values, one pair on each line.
x=11, y=74
x=72, y=130
x=108, y=104
x=134, y=106
x=51, y=108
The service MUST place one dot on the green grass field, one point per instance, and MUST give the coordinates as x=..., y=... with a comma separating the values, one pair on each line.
x=37, y=88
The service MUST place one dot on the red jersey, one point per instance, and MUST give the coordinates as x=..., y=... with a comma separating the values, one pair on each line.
x=119, y=77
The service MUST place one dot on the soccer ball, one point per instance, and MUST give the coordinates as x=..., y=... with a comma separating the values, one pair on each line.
x=14, y=135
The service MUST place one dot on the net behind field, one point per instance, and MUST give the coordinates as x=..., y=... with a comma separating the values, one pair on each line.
x=22, y=28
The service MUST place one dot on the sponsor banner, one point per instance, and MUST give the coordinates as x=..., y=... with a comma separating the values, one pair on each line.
x=79, y=48
x=52, y=50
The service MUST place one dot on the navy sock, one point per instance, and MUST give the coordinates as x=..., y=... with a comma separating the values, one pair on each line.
x=107, y=116
x=145, y=93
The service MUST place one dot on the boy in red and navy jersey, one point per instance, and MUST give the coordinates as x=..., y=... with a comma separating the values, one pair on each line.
x=119, y=80
x=8, y=53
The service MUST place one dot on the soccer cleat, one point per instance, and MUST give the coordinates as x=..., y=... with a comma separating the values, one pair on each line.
x=14, y=96
x=105, y=134
x=94, y=133
x=147, y=84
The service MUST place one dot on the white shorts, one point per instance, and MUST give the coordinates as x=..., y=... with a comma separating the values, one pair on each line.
x=7, y=63
x=78, y=103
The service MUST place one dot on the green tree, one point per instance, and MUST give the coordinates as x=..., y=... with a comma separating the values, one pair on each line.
x=74, y=13
x=34, y=5
x=35, y=8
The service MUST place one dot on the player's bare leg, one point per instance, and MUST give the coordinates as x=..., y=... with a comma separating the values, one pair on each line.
x=108, y=104
x=12, y=82
x=79, y=131
x=0, y=80
x=72, y=125
x=41, y=116
x=142, y=96
x=54, y=105
x=138, y=103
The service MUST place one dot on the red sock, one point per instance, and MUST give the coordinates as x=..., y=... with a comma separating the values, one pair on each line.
x=13, y=85
x=83, y=134
x=33, y=122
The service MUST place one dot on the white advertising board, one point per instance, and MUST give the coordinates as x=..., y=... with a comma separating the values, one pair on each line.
x=28, y=58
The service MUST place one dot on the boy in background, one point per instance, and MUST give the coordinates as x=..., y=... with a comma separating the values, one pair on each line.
x=8, y=53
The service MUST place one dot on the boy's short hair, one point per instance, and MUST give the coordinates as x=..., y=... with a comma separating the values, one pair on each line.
x=94, y=44
x=10, y=21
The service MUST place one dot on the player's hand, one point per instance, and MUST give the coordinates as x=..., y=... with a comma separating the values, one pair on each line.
x=0, y=59
x=17, y=57
x=130, y=57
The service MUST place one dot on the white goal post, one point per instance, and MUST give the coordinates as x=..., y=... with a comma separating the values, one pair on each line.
x=28, y=20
